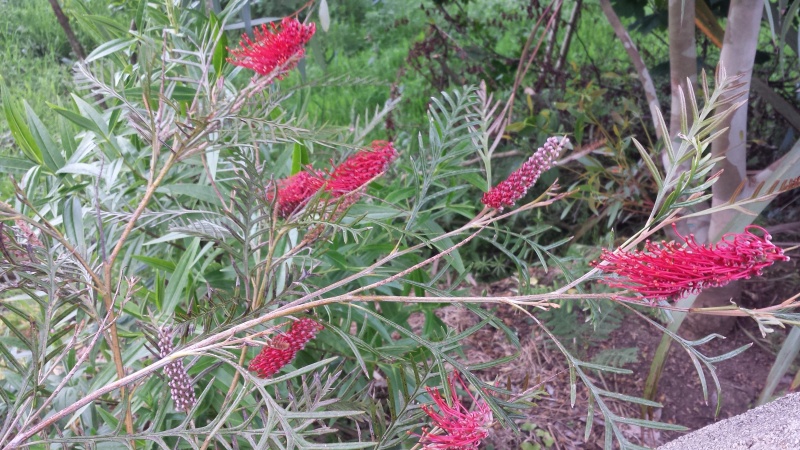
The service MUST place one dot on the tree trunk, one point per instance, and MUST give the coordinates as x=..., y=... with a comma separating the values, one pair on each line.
x=570, y=30
x=682, y=57
x=636, y=59
x=737, y=57
x=77, y=48
x=682, y=71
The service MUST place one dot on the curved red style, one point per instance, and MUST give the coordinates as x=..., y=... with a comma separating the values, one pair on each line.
x=463, y=429
x=671, y=270
x=275, y=47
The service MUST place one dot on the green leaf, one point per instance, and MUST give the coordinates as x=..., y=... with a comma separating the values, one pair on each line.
x=300, y=371
x=179, y=279
x=650, y=164
x=19, y=129
x=75, y=118
x=220, y=54
x=67, y=138
x=51, y=155
x=108, y=418
x=179, y=93
x=603, y=368
x=98, y=124
x=73, y=223
x=445, y=244
x=201, y=192
x=376, y=212
x=651, y=424
x=110, y=47
x=783, y=361
x=156, y=263
x=159, y=291
x=14, y=165
x=7, y=356
x=628, y=398
x=138, y=18
x=324, y=16
x=80, y=169
x=299, y=157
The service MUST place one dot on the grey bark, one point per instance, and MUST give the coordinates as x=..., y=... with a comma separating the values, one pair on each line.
x=682, y=57
x=737, y=57
x=63, y=20
x=570, y=30
x=636, y=59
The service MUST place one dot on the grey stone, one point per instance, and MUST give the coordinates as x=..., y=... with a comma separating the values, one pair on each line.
x=774, y=426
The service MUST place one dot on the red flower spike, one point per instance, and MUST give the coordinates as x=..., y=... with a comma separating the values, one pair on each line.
x=360, y=168
x=352, y=174
x=464, y=429
x=275, y=47
x=670, y=271
x=294, y=191
x=507, y=192
x=284, y=347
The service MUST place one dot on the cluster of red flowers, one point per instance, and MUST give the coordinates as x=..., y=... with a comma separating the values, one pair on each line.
x=275, y=47
x=293, y=192
x=517, y=184
x=463, y=429
x=284, y=347
x=670, y=270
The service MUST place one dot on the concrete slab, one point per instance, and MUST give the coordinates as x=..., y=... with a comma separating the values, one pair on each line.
x=774, y=426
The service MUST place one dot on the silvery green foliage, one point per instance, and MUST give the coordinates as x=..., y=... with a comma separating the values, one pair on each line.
x=151, y=212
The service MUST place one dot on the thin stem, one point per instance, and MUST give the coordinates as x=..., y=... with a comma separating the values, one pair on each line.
x=108, y=297
x=228, y=396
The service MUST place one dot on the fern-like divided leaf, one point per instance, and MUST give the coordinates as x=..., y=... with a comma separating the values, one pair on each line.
x=44, y=306
x=688, y=172
x=598, y=398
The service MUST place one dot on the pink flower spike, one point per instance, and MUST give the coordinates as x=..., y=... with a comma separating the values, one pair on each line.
x=294, y=191
x=463, y=429
x=507, y=192
x=284, y=347
x=360, y=168
x=670, y=271
x=275, y=47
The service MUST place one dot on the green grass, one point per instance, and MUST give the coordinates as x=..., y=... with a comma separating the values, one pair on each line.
x=36, y=55
x=363, y=51
x=32, y=48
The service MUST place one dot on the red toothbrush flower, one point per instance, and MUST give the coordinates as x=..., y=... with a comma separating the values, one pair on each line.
x=294, y=191
x=275, y=47
x=360, y=168
x=284, y=347
x=463, y=429
x=517, y=184
x=355, y=172
x=670, y=270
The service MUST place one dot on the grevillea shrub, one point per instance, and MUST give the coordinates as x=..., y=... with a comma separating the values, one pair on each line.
x=190, y=261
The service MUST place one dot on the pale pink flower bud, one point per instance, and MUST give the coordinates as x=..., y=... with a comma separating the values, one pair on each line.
x=508, y=192
x=180, y=385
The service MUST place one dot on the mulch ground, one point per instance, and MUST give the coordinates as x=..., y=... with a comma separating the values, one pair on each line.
x=554, y=423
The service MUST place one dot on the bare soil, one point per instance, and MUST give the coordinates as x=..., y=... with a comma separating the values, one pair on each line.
x=540, y=365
